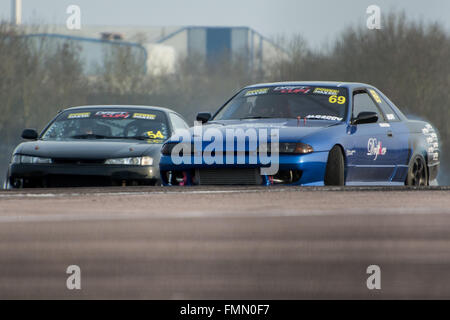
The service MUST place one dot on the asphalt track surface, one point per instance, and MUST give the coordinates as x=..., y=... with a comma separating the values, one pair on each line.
x=225, y=243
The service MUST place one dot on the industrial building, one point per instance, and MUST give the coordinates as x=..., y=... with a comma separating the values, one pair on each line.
x=160, y=47
x=221, y=44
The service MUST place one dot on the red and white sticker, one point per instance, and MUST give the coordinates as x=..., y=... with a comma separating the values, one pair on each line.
x=113, y=114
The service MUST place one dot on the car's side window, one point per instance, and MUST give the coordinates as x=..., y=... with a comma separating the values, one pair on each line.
x=362, y=102
x=177, y=122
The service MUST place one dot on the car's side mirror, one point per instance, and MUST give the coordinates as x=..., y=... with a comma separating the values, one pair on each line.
x=29, y=134
x=203, y=116
x=366, y=117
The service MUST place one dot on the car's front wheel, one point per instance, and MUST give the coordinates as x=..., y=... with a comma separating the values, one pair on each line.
x=334, y=173
x=417, y=172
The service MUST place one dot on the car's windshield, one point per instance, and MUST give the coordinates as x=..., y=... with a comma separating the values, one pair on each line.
x=109, y=124
x=312, y=102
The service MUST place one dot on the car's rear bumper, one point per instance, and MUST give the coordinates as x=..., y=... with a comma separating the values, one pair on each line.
x=308, y=168
x=56, y=175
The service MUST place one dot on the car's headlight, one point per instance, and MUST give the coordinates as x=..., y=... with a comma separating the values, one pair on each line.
x=18, y=158
x=295, y=147
x=132, y=161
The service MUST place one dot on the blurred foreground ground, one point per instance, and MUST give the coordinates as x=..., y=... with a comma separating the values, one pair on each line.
x=225, y=243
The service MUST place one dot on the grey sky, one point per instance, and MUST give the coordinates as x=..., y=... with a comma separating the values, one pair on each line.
x=317, y=21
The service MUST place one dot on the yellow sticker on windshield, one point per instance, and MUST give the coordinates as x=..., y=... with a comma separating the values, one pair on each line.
x=157, y=135
x=327, y=91
x=155, y=141
x=79, y=115
x=144, y=116
x=336, y=99
x=375, y=95
x=256, y=92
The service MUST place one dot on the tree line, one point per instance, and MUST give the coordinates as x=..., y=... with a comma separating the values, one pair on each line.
x=407, y=60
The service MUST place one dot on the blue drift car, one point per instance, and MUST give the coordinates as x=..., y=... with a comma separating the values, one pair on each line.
x=317, y=133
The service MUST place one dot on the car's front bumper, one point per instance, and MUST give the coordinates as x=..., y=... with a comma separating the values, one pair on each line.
x=311, y=168
x=61, y=175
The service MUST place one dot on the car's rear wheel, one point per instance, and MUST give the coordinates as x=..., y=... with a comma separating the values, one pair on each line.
x=334, y=173
x=417, y=172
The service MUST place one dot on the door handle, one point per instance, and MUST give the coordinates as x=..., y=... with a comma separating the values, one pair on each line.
x=389, y=133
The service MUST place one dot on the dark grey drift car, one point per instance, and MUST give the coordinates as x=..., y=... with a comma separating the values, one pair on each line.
x=94, y=146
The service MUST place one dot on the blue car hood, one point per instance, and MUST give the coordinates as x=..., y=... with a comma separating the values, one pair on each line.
x=289, y=129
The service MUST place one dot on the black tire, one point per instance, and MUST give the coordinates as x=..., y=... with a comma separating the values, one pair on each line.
x=334, y=173
x=417, y=172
